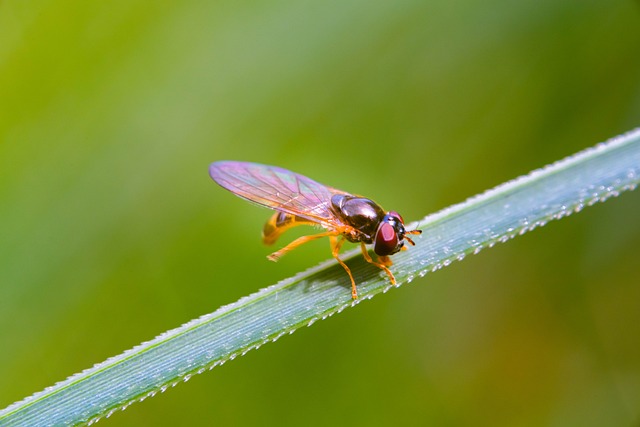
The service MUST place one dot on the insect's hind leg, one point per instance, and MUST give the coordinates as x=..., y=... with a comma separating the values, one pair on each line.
x=335, y=249
x=299, y=241
x=381, y=266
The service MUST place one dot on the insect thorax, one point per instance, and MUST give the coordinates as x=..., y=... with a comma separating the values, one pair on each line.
x=364, y=215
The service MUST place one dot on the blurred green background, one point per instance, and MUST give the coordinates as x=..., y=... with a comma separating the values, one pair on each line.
x=111, y=231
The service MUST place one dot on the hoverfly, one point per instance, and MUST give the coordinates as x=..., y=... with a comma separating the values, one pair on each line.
x=299, y=200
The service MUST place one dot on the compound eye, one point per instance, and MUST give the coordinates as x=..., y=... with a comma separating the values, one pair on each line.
x=386, y=241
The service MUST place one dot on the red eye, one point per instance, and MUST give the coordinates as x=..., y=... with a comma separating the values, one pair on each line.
x=386, y=241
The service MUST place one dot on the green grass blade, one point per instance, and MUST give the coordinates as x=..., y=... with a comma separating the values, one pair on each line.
x=511, y=209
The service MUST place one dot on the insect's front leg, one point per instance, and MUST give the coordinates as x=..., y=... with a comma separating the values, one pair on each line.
x=381, y=264
x=385, y=260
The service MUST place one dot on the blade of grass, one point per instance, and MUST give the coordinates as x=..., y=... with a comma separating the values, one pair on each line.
x=506, y=211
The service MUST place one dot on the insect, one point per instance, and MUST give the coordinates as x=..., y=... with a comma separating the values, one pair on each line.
x=299, y=200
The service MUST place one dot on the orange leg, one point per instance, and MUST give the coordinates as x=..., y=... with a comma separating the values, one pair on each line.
x=299, y=241
x=335, y=249
x=366, y=255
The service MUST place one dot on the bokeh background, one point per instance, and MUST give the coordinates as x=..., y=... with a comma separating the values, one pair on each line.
x=111, y=231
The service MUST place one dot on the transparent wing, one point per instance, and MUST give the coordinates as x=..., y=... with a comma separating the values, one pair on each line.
x=278, y=189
